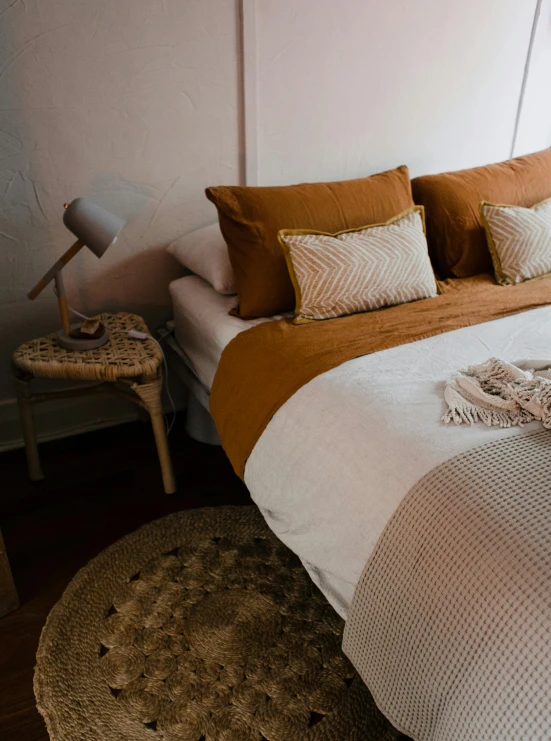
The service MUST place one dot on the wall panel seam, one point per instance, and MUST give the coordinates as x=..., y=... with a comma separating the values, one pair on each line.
x=537, y=13
x=250, y=81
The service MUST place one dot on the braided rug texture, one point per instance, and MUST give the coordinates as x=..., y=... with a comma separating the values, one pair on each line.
x=200, y=626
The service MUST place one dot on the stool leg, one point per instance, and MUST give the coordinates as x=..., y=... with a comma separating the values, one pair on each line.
x=150, y=394
x=23, y=393
x=159, y=430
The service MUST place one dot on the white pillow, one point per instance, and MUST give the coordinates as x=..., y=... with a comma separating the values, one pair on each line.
x=205, y=253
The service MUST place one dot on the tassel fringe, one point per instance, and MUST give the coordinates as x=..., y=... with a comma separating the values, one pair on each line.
x=498, y=394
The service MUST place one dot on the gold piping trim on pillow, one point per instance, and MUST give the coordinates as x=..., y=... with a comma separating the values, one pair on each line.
x=313, y=232
x=500, y=276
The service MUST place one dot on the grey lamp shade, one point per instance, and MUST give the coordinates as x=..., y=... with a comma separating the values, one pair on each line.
x=93, y=225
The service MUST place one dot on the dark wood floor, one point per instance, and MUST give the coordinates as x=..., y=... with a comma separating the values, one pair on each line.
x=98, y=487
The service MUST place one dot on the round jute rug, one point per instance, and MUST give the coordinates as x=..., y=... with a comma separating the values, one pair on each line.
x=200, y=626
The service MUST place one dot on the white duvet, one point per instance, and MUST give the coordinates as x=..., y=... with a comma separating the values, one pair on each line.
x=336, y=460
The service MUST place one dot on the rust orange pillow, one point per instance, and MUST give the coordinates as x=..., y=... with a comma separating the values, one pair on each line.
x=250, y=219
x=455, y=233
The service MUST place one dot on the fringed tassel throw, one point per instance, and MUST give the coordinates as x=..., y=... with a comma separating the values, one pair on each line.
x=500, y=394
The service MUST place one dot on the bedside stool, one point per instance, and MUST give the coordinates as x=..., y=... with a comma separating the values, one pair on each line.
x=124, y=366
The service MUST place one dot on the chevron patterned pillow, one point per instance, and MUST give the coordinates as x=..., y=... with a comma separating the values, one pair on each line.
x=359, y=269
x=519, y=240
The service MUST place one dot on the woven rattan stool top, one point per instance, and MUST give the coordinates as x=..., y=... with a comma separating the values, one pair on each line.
x=121, y=357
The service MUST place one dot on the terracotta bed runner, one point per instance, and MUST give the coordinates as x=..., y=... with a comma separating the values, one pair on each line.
x=265, y=365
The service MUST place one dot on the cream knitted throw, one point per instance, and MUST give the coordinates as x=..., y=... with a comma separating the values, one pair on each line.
x=450, y=625
x=501, y=394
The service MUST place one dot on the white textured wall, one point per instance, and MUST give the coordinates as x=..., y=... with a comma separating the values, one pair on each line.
x=351, y=87
x=132, y=103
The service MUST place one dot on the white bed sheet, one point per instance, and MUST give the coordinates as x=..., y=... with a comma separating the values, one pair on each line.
x=337, y=459
x=203, y=326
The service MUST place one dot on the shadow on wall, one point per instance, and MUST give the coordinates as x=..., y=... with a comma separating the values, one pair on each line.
x=138, y=283
x=132, y=275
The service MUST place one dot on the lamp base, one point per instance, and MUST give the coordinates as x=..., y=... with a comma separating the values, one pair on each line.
x=82, y=343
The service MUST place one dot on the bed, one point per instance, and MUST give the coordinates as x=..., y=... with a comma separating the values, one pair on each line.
x=379, y=415
x=332, y=528
x=432, y=541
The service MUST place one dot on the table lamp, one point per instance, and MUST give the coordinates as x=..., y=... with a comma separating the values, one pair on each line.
x=97, y=229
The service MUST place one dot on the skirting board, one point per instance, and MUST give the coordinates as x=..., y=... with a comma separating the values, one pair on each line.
x=57, y=418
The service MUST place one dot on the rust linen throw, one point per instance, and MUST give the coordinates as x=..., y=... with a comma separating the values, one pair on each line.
x=264, y=366
x=450, y=625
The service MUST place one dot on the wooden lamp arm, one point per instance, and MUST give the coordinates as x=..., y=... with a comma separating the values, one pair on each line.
x=54, y=270
x=62, y=303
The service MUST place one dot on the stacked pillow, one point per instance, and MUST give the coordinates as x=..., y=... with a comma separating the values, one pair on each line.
x=455, y=229
x=332, y=249
x=250, y=219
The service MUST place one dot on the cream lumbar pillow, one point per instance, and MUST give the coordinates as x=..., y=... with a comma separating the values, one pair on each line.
x=205, y=253
x=359, y=269
x=519, y=240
